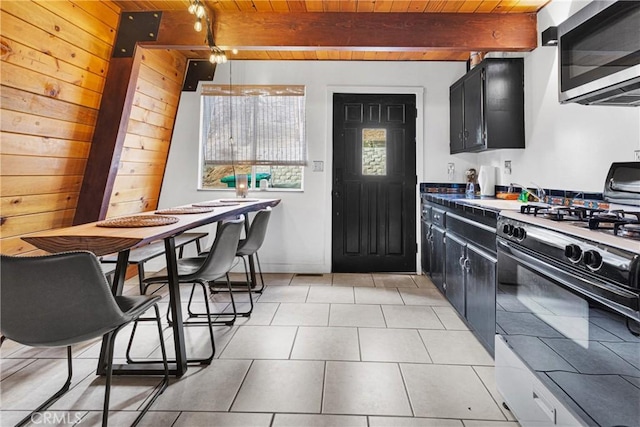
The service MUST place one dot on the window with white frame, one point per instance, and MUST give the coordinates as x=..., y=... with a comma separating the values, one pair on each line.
x=257, y=130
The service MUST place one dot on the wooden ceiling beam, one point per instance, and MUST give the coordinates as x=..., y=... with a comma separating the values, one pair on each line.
x=375, y=31
x=366, y=31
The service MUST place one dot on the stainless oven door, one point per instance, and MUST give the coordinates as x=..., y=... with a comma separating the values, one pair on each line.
x=582, y=346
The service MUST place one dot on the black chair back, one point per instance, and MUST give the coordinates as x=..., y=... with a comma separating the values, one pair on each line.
x=55, y=300
x=219, y=259
x=257, y=232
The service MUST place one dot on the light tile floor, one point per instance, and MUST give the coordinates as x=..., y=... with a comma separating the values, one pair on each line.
x=319, y=350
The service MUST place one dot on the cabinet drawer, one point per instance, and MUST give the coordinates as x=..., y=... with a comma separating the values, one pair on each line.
x=528, y=399
x=438, y=217
x=480, y=234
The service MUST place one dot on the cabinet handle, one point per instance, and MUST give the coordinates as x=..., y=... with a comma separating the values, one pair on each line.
x=482, y=109
x=467, y=265
x=461, y=261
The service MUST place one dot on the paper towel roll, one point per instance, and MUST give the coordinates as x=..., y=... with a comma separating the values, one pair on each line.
x=487, y=180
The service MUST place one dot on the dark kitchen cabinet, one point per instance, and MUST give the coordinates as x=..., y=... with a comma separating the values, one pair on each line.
x=425, y=250
x=433, y=223
x=471, y=271
x=470, y=286
x=487, y=107
x=460, y=256
x=456, y=117
x=481, y=294
x=425, y=237
x=437, y=257
x=435, y=247
x=455, y=272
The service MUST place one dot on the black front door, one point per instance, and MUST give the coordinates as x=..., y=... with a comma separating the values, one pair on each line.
x=374, y=179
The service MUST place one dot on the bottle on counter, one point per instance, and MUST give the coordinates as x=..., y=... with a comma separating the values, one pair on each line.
x=470, y=190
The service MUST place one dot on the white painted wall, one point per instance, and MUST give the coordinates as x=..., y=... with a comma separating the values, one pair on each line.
x=568, y=146
x=299, y=236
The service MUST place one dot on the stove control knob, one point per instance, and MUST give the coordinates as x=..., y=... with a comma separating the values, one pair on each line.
x=573, y=252
x=593, y=260
x=519, y=233
x=508, y=229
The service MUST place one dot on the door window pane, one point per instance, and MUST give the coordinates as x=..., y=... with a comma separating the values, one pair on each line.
x=374, y=151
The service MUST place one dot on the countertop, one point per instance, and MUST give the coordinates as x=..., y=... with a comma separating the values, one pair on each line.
x=490, y=207
x=483, y=206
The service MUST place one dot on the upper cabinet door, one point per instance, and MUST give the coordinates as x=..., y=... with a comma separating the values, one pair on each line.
x=492, y=101
x=456, y=118
x=474, y=110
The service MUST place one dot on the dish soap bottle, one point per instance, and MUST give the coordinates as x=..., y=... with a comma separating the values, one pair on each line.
x=470, y=191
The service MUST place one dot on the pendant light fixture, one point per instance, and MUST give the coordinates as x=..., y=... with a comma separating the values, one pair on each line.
x=217, y=55
x=197, y=8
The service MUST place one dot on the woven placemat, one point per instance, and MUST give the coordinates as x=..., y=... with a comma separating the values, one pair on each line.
x=215, y=204
x=185, y=210
x=138, y=221
x=238, y=200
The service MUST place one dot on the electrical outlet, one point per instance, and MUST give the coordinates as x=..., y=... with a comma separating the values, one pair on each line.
x=636, y=155
x=507, y=167
x=451, y=171
x=318, y=166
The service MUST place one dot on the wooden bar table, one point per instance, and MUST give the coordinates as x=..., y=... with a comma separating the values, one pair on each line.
x=105, y=240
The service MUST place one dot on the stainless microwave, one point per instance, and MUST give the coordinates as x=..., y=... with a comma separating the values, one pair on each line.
x=599, y=54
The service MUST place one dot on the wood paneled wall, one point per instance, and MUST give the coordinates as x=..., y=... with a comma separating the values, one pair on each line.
x=55, y=59
x=146, y=145
x=55, y=56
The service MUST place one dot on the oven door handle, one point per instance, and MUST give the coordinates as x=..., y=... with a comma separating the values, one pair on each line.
x=627, y=302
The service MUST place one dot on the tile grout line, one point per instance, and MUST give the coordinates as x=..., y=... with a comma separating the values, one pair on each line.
x=274, y=315
x=240, y=387
x=473, y=368
x=406, y=390
x=324, y=383
x=425, y=344
x=176, y=420
x=235, y=329
x=293, y=343
x=386, y=325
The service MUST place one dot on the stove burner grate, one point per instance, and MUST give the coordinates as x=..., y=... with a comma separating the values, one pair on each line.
x=560, y=213
x=615, y=220
x=622, y=223
x=631, y=231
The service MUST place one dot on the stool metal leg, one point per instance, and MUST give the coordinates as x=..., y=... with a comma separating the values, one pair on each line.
x=165, y=380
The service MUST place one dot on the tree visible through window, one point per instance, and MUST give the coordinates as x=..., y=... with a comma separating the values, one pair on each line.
x=253, y=129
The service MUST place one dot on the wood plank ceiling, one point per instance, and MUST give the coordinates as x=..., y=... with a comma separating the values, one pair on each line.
x=357, y=29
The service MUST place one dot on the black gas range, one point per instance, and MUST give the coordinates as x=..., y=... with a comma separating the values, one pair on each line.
x=568, y=308
x=603, y=243
x=600, y=243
